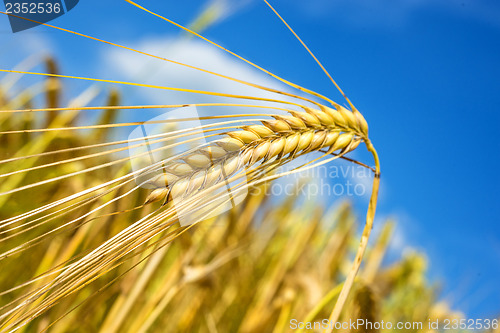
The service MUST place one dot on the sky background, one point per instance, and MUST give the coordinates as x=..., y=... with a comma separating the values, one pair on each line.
x=425, y=74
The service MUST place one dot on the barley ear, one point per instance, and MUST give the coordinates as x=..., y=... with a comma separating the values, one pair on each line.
x=53, y=89
x=366, y=307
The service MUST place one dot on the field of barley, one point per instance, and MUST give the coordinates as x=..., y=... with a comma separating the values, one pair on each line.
x=250, y=166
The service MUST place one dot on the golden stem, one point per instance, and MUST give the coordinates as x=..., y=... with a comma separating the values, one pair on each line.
x=370, y=215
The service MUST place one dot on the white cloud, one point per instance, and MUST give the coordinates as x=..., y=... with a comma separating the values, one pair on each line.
x=134, y=67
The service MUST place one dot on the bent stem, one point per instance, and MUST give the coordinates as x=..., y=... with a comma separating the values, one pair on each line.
x=372, y=206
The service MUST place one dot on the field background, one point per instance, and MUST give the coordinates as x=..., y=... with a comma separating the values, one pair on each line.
x=425, y=75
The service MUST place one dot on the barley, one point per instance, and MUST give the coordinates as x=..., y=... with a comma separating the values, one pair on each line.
x=366, y=308
x=242, y=149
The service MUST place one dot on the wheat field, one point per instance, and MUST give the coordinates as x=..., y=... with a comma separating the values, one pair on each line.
x=97, y=239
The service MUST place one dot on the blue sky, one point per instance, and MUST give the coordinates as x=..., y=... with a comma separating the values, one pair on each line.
x=426, y=75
